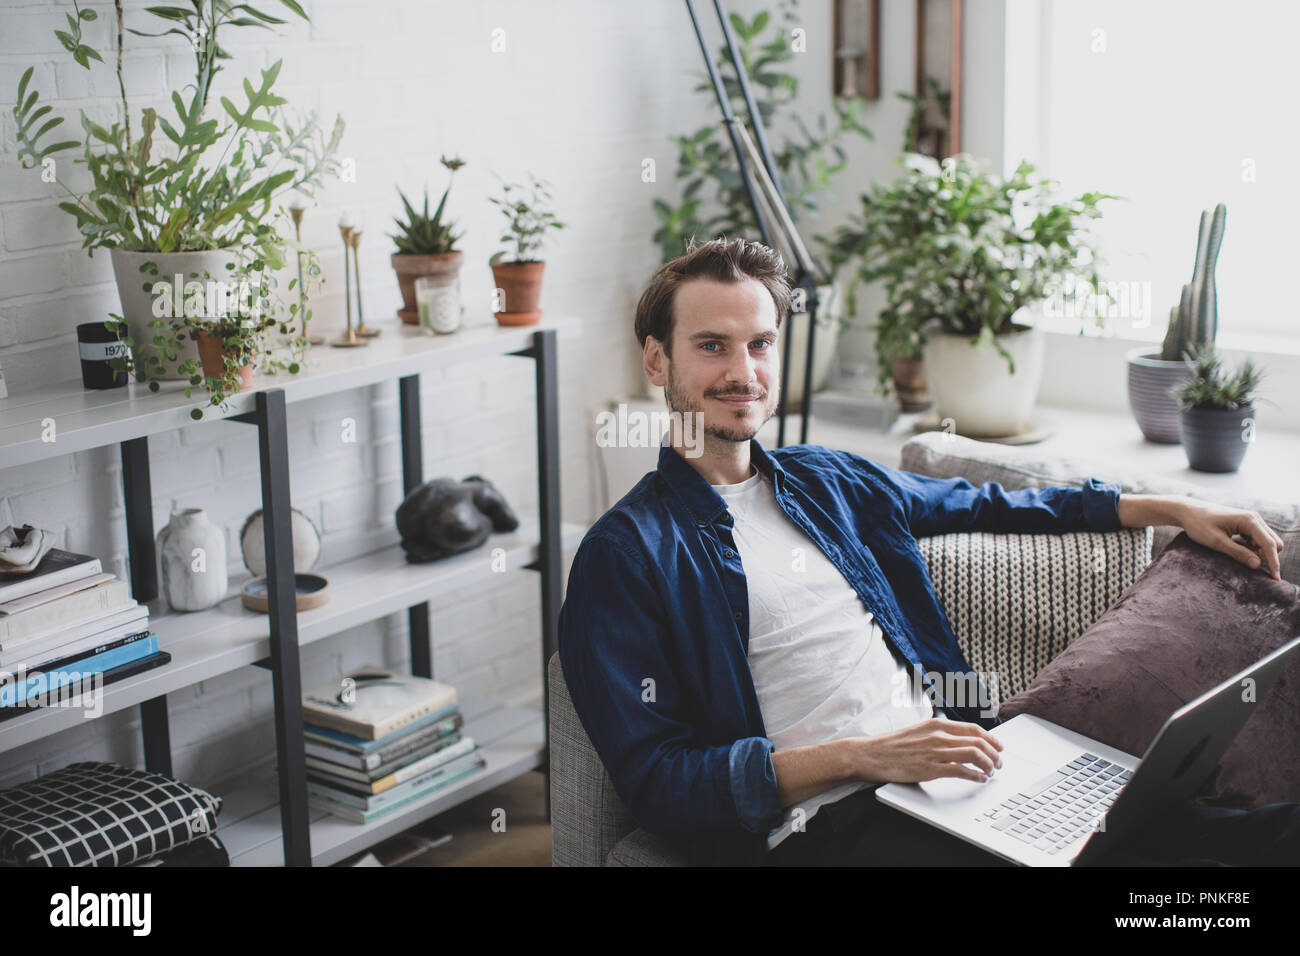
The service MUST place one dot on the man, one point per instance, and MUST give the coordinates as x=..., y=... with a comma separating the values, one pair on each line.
x=736, y=626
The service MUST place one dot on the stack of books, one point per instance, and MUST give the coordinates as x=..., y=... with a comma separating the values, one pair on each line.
x=378, y=740
x=65, y=623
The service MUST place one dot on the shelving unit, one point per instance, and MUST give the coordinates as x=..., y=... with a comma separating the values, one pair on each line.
x=269, y=820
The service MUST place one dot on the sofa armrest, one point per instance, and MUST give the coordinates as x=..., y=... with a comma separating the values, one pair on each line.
x=1015, y=601
x=643, y=848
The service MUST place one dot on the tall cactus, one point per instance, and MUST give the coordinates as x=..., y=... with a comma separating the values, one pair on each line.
x=1194, y=322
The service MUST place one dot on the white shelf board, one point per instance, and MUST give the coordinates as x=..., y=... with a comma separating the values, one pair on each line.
x=204, y=644
x=87, y=419
x=512, y=739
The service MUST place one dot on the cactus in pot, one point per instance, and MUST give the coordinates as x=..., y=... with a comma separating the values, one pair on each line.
x=1193, y=325
x=1194, y=321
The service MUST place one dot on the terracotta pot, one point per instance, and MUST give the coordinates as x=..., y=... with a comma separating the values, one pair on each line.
x=211, y=354
x=909, y=384
x=410, y=268
x=520, y=285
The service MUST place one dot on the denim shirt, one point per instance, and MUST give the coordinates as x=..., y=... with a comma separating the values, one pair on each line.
x=654, y=629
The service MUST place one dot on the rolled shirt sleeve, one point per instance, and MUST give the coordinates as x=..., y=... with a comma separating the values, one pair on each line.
x=945, y=505
x=622, y=679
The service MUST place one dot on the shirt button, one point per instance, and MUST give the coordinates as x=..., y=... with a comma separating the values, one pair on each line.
x=739, y=615
x=728, y=553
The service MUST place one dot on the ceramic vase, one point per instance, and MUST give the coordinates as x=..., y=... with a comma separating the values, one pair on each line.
x=193, y=555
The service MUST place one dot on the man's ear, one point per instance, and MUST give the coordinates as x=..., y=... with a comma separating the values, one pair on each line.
x=654, y=361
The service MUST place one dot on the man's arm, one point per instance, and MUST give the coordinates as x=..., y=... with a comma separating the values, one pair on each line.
x=1208, y=524
x=946, y=505
x=625, y=689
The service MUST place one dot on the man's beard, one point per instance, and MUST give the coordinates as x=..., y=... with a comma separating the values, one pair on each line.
x=679, y=400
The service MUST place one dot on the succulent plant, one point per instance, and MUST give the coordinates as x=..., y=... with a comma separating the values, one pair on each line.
x=1194, y=321
x=423, y=235
x=1209, y=385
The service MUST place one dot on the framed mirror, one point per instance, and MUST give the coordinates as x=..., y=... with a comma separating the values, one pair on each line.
x=855, y=62
x=935, y=126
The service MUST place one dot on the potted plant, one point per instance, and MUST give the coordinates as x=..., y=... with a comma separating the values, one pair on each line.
x=517, y=271
x=1193, y=326
x=426, y=247
x=1217, y=411
x=808, y=153
x=963, y=254
x=178, y=198
x=228, y=345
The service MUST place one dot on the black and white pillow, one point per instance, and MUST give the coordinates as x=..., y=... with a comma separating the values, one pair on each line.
x=101, y=814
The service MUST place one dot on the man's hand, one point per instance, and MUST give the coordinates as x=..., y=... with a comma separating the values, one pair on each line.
x=1208, y=524
x=934, y=748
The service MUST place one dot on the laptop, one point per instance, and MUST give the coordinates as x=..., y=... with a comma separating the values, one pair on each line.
x=1063, y=799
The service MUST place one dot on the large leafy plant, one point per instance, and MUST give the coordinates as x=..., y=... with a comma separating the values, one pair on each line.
x=189, y=181
x=805, y=160
x=961, y=248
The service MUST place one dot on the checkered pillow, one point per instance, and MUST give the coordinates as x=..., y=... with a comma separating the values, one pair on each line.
x=101, y=814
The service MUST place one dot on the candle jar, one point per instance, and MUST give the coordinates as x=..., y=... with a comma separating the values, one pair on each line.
x=437, y=300
x=97, y=347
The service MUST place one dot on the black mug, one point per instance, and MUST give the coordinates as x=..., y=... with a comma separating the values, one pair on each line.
x=97, y=345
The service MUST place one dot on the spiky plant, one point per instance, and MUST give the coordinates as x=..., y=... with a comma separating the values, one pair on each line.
x=1194, y=321
x=1209, y=385
x=425, y=235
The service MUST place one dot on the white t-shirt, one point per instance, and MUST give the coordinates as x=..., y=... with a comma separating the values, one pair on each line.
x=820, y=663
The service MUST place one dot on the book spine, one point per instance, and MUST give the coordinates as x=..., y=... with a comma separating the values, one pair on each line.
x=14, y=586
x=48, y=680
x=411, y=771
x=66, y=653
x=373, y=731
x=337, y=738
x=366, y=783
x=72, y=608
x=372, y=801
x=398, y=750
x=36, y=643
x=355, y=815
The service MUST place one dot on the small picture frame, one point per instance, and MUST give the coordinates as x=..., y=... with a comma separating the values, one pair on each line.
x=855, y=56
x=935, y=129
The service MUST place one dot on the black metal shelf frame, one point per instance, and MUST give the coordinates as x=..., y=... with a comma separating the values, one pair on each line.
x=269, y=416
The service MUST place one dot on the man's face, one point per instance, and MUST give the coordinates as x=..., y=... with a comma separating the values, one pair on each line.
x=725, y=361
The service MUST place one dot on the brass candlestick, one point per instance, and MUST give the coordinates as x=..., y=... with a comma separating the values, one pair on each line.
x=348, y=339
x=362, y=329
x=296, y=212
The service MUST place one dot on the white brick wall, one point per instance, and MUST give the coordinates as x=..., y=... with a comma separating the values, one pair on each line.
x=584, y=91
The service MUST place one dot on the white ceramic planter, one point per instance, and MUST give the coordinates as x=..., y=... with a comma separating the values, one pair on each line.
x=193, y=555
x=135, y=289
x=973, y=387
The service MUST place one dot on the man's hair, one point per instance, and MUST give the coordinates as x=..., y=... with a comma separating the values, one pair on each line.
x=724, y=260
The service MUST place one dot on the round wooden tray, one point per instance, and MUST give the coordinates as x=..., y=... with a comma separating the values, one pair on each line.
x=312, y=591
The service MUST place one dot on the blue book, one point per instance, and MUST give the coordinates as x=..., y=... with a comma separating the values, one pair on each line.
x=363, y=746
x=43, y=682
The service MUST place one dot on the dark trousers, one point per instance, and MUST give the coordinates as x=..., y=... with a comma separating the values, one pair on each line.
x=859, y=830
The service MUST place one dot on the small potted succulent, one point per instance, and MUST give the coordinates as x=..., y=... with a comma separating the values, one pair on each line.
x=517, y=271
x=1217, y=411
x=1193, y=324
x=426, y=247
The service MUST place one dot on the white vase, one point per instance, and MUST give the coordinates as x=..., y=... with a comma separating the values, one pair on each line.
x=972, y=386
x=141, y=295
x=192, y=551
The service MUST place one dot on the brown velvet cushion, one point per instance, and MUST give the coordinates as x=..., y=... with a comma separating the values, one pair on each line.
x=1193, y=619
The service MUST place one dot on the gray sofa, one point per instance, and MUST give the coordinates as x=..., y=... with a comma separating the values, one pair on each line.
x=1010, y=633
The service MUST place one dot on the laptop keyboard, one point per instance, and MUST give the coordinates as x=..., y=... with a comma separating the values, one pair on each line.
x=1061, y=808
